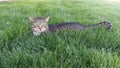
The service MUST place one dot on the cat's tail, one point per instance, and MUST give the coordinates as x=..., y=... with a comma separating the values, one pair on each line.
x=104, y=23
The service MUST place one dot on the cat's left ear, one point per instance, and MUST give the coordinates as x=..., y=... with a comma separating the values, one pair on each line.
x=47, y=18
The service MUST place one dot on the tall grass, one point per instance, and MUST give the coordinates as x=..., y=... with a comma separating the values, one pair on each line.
x=91, y=48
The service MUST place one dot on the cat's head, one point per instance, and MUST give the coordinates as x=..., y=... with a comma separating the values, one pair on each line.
x=39, y=25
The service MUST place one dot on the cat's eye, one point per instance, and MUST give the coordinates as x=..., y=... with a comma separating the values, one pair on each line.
x=33, y=26
x=45, y=26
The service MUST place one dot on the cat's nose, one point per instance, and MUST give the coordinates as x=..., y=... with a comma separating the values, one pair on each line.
x=40, y=28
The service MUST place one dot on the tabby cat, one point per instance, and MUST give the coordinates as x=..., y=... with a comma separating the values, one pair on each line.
x=40, y=25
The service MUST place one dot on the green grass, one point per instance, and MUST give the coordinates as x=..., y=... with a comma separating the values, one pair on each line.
x=92, y=48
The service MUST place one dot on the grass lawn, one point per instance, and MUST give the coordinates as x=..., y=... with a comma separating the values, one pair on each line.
x=91, y=48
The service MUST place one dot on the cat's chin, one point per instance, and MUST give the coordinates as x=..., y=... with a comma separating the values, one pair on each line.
x=36, y=33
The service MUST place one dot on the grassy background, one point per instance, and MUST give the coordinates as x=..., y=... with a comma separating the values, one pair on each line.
x=92, y=48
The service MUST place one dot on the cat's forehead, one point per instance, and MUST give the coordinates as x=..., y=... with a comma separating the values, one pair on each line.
x=39, y=18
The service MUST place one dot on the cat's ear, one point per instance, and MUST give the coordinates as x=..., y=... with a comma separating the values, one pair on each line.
x=46, y=19
x=31, y=18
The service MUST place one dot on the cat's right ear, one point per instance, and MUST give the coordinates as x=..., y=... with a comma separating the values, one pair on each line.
x=31, y=19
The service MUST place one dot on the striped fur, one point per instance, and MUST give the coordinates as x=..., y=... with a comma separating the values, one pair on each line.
x=40, y=25
x=77, y=26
